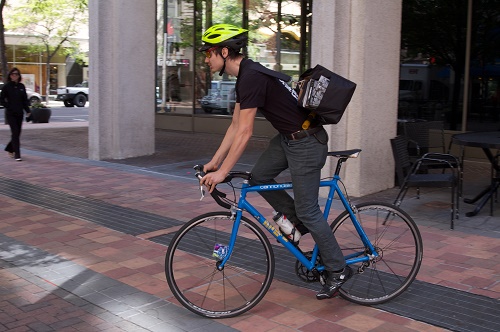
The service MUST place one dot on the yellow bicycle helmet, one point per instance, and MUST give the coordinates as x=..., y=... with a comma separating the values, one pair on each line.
x=224, y=35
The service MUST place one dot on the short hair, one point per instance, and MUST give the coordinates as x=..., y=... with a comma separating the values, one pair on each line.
x=233, y=54
x=12, y=70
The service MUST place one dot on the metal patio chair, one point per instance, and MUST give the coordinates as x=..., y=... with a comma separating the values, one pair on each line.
x=417, y=174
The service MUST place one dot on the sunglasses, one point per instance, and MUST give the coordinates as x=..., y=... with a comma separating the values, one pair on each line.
x=208, y=53
x=15, y=74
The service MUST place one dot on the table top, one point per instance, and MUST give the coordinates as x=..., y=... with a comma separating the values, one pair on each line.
x=487, y=139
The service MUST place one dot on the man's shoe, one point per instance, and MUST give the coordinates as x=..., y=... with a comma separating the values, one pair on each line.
x=19, y=159
x=333, y=283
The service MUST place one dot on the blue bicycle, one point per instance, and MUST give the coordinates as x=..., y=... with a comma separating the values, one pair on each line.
x=221, y=264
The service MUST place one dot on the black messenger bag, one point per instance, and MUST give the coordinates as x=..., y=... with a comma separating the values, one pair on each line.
x=324, y=93
x=321, y=92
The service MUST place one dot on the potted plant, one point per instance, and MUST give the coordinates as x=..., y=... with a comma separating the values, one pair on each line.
x=40, y=113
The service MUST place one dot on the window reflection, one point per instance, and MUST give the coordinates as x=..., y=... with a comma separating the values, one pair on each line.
x=186, y=85
x=174, y=84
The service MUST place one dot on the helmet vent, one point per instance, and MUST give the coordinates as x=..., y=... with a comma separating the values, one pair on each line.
x=213, y=36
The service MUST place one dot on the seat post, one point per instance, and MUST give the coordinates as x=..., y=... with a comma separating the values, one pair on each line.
x=339, y=165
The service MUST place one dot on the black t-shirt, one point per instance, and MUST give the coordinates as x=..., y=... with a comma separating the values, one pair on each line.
x=272, y=97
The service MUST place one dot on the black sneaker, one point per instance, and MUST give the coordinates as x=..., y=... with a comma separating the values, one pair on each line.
x=333, y=283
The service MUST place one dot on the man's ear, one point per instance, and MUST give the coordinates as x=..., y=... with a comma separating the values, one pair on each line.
x=225, y=52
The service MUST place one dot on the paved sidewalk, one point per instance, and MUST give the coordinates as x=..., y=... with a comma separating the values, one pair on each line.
x=79, y=249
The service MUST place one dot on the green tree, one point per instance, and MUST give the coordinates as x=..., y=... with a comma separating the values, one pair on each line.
x=52, y=23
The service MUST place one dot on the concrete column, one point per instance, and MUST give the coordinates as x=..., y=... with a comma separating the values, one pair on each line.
x=360, y=40
x=122, y=78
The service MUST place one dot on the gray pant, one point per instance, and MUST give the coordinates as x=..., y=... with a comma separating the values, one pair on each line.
x=305, y=158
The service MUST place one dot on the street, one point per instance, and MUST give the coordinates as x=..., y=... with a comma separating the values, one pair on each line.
x=60, y=113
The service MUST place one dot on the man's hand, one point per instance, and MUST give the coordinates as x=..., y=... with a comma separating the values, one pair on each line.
x=210, y=167
x=210, y=180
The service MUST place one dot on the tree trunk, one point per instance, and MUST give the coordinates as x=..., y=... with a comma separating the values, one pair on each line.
x=3, y=51
x=47, y=73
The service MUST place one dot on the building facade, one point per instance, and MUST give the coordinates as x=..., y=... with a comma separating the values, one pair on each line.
x=124, y=85
x=64, y=71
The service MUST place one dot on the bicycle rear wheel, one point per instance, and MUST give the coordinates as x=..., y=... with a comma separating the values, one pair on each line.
x=398, y=243
x=193, y=276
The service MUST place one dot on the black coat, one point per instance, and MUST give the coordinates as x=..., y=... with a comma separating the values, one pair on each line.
x=14, y=98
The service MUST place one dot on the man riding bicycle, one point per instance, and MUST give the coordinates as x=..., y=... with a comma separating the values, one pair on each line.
x=303, y=152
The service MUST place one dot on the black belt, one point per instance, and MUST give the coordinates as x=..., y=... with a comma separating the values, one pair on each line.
x=300, y=134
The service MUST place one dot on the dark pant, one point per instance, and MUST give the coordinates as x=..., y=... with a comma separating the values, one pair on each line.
x=305, y=158
x=15, y=123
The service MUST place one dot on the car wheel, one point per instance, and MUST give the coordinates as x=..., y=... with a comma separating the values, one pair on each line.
x=34, y=100
x=67, y=103
x=207, y=110
x=80, y=100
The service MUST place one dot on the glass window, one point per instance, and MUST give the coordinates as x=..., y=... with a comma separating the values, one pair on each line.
x=175, y=65
x=433, y=80
x=184, y=82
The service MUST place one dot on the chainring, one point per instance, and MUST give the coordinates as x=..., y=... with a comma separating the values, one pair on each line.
x=308, y=275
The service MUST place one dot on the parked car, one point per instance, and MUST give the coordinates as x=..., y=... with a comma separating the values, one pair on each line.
x=33, y=97
x=222, y=97
x=74, y=96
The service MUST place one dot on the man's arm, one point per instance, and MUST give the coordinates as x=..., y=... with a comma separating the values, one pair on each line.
x=225, y=145
x=242, y=129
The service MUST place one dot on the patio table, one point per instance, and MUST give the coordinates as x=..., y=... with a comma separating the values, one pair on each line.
x=486, y=141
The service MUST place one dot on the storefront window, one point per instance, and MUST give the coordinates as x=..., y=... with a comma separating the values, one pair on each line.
x=33, y=65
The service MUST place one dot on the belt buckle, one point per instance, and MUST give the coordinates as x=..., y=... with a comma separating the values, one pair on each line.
x=292, y=135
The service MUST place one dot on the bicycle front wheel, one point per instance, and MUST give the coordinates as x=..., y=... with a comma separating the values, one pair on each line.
x=397, y=242
x=193, y=257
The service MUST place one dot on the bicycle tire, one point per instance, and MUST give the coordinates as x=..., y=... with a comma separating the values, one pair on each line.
x=396, y=239
x=193, y=276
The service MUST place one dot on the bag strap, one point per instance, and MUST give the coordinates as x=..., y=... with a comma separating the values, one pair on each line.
x=258, y=67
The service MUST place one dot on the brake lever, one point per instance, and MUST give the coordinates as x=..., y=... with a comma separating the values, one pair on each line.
x=200, y=174
x=202, y=192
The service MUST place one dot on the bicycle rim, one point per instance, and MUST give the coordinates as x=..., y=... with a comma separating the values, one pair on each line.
x=191, y=268
x=398, y=243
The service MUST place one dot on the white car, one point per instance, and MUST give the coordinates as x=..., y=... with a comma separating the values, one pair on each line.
x=33, y=97
x=74, y=96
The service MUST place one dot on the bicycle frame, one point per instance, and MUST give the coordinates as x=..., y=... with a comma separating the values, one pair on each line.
x=245, y=205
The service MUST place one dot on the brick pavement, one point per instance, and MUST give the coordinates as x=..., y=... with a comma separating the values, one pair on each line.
x=37, y=239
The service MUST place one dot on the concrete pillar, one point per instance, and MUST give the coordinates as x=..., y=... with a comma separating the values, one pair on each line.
x=122, y=78
x=360, y=40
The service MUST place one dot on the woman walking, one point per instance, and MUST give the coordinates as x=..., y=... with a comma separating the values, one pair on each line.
x=15, y=101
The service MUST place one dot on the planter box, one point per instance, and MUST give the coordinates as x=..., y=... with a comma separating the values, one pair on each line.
x=41, y=115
